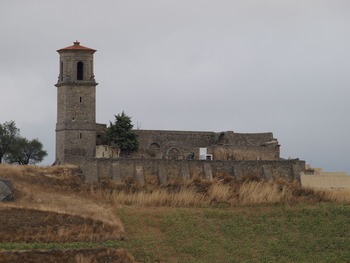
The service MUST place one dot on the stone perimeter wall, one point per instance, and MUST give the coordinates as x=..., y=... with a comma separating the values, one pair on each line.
x=95, y=169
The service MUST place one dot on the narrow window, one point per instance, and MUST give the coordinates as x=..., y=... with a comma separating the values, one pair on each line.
x=80, y=70
x=80, y=99
x=61, y=71
x=80, y=135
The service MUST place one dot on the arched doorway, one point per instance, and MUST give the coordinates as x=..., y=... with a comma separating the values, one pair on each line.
x=174, y=153
x=154, y=150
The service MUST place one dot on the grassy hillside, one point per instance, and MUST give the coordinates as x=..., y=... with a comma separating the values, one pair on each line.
x=316, y=233
x=56, y=213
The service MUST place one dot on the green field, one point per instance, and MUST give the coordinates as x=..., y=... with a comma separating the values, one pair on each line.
x=300, y=233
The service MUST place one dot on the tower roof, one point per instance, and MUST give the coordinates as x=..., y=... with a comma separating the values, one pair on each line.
x=77, y=47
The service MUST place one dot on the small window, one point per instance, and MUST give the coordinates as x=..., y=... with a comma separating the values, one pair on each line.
x=80, y=99
x=80, y=135
x=80, y=70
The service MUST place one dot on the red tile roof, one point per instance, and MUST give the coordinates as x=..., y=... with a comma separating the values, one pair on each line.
x=77, y=47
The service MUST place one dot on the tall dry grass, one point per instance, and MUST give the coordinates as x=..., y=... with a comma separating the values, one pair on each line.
x=59, y=171
x=43, y=185
x=263, y=193
x=335, y=195
x=201, y=192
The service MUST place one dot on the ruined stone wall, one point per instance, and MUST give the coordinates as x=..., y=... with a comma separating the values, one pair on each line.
x=179, y=138
x=101, y=134
x=245, y=139
x=142, y=170
x=105, y=151
x=230, y=152
x=171, y=144
x=224, y=146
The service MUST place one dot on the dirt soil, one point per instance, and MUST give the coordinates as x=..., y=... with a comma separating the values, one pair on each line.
x=27, y=225
x=68, y=256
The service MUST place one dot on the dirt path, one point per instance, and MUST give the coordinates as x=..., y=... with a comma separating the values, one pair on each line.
x=38, y=198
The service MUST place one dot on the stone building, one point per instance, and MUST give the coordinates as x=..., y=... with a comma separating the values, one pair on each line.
x=80, y=140
x=76, y=103
x=217, y=146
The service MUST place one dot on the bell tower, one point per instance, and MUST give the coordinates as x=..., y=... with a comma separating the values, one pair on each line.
x=76, y=103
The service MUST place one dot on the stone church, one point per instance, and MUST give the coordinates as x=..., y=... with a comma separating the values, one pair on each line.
x=79, y=137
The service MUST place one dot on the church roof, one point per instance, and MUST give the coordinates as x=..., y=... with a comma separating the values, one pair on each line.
x=77, y=47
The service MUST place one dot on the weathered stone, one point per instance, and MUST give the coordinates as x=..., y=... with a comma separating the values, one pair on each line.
x=6, y=190
x=185, y=171
x=296, y=172
x=162, y=176
x=237, y=170
x=267, y=172
x=139, y=175
x=208, y=173
x=116, y=172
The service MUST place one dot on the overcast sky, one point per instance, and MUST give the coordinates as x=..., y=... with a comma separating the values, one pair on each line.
x=250, y=66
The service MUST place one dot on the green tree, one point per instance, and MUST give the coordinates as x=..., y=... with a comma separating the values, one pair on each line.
x=120, y=132
x=23, y=151
x=8, y=134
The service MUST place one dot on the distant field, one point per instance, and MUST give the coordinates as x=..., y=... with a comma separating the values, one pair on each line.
x=56, y=214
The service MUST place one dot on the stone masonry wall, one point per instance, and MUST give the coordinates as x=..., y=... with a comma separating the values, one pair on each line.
x=245, y=139
x=156, y=144
x=229, y=152
x=180, y=138
x=142, y=169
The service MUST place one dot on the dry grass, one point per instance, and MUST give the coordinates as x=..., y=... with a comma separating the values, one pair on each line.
x=200, y=192
x=59, y=189
x=263, y=193
x=336, y=195
x=219, y=192
x=159, y=197
x=60, y=171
